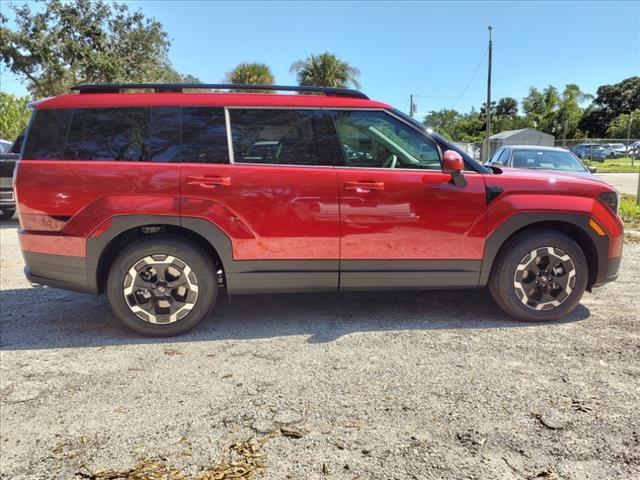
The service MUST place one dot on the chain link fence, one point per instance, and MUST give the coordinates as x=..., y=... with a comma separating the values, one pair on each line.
x=592, y=149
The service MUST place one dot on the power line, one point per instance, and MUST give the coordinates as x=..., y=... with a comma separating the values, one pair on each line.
x=471, y=79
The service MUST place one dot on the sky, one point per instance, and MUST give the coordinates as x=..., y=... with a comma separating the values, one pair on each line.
x=429, y=49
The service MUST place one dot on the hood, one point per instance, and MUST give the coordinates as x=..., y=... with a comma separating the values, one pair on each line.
x=549, y=181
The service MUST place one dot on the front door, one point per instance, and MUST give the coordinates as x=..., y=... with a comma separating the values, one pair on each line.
x=273, y=195
x=403, y=223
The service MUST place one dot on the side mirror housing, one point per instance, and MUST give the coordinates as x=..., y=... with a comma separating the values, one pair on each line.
x=592, y=169
x=454, y=164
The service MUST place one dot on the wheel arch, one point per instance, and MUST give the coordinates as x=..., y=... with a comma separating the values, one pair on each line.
x=123, y=230
x=576, y=226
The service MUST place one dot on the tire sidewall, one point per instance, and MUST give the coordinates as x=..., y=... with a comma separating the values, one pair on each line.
x=201, y=266
x=514, y=252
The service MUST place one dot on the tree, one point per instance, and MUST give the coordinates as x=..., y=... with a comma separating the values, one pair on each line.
x=325, y=70
x=84, y=41
x=569, y=111
x=14, y=115
x=507, y=107
x=620, y=125
x=611, y=101
x=251, y=74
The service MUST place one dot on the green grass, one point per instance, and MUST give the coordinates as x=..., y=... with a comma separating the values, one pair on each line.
x=630, y=210
x=620, y=165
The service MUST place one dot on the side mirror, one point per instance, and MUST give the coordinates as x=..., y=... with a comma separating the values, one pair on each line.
x=592, y=169
x=454, y=164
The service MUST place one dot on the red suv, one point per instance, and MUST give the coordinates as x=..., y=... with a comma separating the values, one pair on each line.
x=164, y=197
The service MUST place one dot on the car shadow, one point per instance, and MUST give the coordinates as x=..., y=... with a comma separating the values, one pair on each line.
x=12, y=223
x=47, y=318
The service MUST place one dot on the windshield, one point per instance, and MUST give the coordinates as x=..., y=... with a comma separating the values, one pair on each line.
x=547, y=160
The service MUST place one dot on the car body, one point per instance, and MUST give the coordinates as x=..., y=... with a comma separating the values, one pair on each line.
x=538, y=158
x=634, y=149
x=163, y=199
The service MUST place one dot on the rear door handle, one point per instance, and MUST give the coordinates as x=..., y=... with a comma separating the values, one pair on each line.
x=209, y=182
x=364, y=186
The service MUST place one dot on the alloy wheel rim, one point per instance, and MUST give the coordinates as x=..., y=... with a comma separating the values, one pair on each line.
x=544, y=278
x=160, y=289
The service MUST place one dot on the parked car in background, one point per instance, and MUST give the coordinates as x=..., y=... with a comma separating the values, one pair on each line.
x=538, y=158
x=163, y=199
x=5, y=145
x=590, y=151
x=634, y=150
x=615, y=150
x=8, y=161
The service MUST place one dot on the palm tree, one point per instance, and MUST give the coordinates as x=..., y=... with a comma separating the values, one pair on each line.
x=251, y=74
x=325, y=70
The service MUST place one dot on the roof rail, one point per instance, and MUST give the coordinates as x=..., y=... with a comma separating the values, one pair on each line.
x=180, y=87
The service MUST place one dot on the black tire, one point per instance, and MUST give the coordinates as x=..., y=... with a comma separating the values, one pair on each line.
x=7, y=214
x=514, y=288
x=197, y=294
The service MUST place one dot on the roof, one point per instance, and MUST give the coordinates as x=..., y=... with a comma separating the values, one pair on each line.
x=536, y=147
x=511, y=133
x=87, y=100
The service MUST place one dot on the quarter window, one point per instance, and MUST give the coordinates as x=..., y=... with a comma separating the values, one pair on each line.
x=274, y=136
x=377, y=140
x=109, y=134
x=46, y=135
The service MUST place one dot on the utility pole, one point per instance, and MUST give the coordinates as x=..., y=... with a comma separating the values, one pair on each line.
x=488, y=133
x=412, y=106
x=629, y=134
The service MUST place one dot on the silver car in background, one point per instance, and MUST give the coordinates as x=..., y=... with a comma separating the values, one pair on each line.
x=539, y=158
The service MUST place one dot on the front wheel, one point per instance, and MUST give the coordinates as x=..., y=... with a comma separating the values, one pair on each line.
x=162, y=286
x=539, y=275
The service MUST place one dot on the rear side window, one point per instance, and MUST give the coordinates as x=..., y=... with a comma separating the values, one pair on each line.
x=164, y=134
x=204, y=135
x=46, y=135
x=274, y=136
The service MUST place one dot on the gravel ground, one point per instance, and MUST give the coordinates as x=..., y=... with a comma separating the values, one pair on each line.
x=392, y=385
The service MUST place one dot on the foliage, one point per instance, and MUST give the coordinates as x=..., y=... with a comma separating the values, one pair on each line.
x=611, y=101
x=14, y=115
x=619, y=126
x=630, y=210
x=84, y=41
x=325, y=70
x=251, y=74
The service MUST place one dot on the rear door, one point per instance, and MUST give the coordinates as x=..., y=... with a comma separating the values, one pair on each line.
x=271, y=188
x=403, y=223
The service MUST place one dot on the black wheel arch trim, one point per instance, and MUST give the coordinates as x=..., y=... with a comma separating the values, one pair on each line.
x=521, y=221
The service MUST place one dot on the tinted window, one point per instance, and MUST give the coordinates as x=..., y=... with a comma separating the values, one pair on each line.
x=378, y=140
x=274, y=137
x=204, y=135
x=47, y=134
x=109, y=134
x=164, y=134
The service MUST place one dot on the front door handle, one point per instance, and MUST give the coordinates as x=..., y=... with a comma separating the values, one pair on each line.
x=364, y=186
x=210, y=182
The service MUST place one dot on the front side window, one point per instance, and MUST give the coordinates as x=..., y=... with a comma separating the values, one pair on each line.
x=374, y=139
x=108, y=134
x=274, y=136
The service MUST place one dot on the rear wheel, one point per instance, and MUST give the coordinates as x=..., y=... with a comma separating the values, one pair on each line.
x=539, y=275
x=7, y=214
x=162, y=286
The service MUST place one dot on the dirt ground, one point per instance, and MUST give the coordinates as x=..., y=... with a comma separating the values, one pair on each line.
x=419, y=385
